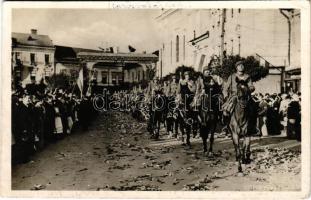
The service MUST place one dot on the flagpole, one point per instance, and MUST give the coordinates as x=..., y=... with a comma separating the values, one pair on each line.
x=90, y=80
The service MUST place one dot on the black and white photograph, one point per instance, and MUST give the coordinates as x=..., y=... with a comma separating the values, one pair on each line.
x=157, y=98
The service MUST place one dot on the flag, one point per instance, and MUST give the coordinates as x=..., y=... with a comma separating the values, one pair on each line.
x=80, y=81
x=156, y=53
x=40, y=73
x=132, y=49
x=201, y=62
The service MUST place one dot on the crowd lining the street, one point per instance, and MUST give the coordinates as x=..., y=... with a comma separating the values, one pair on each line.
x=41, y=116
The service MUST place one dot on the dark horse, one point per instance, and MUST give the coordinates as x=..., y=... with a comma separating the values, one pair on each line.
x=209, y=113
x=157, y=110
x=239, y=124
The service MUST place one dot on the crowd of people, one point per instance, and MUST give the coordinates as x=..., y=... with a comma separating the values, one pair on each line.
x=277, y=114
x=41, y=115
x=280, y=114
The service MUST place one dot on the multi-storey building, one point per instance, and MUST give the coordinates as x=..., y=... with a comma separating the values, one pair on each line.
x=107, y=69
x=192, y=37
x=32, y=56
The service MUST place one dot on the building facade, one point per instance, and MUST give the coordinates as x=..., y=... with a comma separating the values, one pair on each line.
x=192, y=37
x=32, y=57
x=113, y=69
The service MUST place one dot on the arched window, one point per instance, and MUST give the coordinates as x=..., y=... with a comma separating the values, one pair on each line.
x=177, y=48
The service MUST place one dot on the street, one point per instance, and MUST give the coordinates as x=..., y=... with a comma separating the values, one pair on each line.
x=116, y=153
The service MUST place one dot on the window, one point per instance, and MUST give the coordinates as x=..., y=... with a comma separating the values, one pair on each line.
x=239, y=10
x=120, y=78
x=138, y=75
x=232, y=13
x=114, y=78
x=104, y=77
x=177, y=48
x=171, y=51
x=133, y=76
x=47, y=59
x=184, y=47
x=32, y=59
x=17, y=55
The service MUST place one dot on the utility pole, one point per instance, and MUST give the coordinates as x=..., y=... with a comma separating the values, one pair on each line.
x=161, y=63
x=222, y=35
x=288, y=18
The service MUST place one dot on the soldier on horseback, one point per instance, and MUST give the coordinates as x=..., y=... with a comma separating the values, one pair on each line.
x=240, y=112
x=230, y=88
x=208, y=99
x=186, y=90
x=209, y=78
x=154, y=89
x=171, y=117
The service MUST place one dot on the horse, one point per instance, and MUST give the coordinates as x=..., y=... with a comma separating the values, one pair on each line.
x=209, y=113
x=185, y=121
x=239, y=125
x=157, y=110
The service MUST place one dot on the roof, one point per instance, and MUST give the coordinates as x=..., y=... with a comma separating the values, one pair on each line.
x=65, y=53
x=28, y=39
x=118, y=56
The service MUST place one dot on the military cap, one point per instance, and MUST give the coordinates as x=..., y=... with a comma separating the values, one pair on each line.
x=206, y=68
x=238, y=63
x=187, y=72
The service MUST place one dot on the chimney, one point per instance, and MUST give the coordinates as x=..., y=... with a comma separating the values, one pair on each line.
x=34, y=31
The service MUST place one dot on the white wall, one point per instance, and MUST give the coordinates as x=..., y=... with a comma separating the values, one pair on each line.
x=264, y=32
x=24, y=56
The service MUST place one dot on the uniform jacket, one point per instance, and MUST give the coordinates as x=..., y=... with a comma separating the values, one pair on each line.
x=230, y=86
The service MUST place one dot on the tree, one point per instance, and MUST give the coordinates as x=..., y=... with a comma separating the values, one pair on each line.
x=252, y=67
x=59, y=81
x=151, y=72
x=182, y=69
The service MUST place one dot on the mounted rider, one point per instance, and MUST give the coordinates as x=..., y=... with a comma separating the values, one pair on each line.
x=185, y=94
x=173, y=86
x=230, y=94
x=186, y=90
x=154, y=89
x=209, y=79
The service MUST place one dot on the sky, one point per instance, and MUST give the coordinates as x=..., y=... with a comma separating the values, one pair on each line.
x=91, y=28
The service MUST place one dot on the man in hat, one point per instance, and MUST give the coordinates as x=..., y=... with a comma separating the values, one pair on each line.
x=230, y=94
x=173, y=86
x=186, y=87
x=209, y=78
x=230, y=87
x=153, y=88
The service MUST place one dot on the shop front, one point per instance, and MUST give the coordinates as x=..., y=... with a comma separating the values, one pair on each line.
x=293, y=80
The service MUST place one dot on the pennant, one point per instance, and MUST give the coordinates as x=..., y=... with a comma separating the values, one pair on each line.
x=80, y=81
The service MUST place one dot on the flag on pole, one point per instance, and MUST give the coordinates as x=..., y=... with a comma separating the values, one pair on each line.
x=80, y=81
x=201, y=62
x=39, y=74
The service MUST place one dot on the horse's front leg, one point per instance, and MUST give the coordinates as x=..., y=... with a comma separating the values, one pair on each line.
x=204, y=137
x=247, y=150
x=211, y=139
x=236, y=143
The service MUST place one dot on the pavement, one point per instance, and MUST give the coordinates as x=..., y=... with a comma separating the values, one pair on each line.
x=116, y=153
